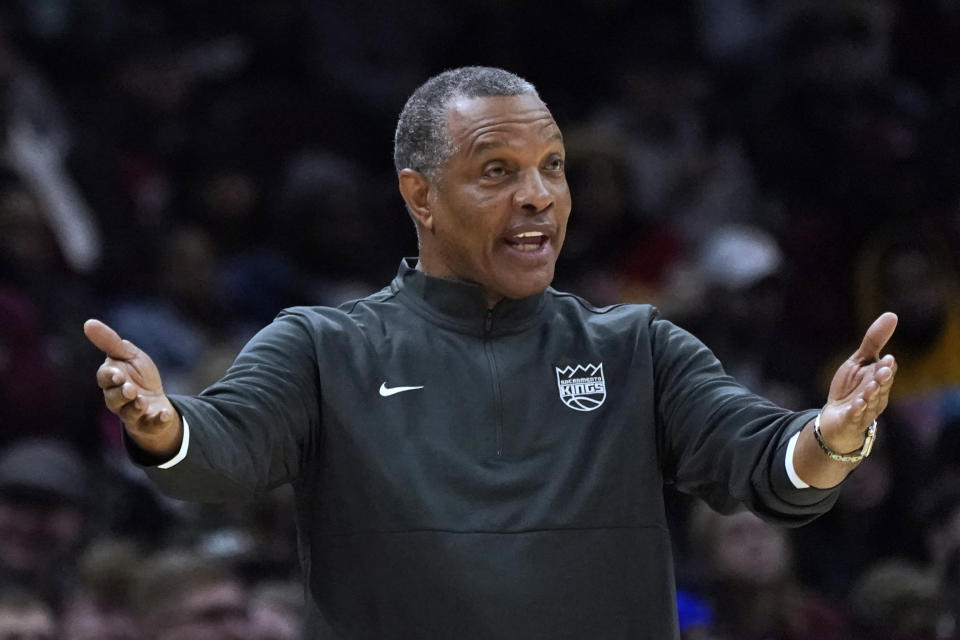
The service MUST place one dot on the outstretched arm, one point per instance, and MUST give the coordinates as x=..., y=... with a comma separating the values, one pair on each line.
x=858, y=394
x=132, y=389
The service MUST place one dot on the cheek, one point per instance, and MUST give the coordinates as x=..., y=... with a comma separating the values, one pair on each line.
x=475, y=221
x=485, y=219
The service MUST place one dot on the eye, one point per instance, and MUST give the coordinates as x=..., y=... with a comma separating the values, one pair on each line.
x=494, y=170
x=555, y=163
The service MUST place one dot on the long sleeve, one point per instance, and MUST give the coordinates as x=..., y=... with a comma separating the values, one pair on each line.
x=721, y=442
x=251, y=431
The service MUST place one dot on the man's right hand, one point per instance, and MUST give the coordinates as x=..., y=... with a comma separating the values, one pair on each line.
x=132, y=390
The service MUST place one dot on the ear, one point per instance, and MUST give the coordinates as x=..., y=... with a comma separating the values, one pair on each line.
x=415, y=189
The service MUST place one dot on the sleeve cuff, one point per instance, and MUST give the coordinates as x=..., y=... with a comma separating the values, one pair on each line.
x=788, y=460
x=182, y=453
x=146, y=459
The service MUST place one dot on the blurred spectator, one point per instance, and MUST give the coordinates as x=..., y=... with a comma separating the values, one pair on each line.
x=912, y=274
x=28, y=248
x=835, y=138
x=749, y=583
x=31, y=259
x=610, y=250
x=683, y=168
x=98, y=605
x=872, y=520
x=42, y=302
x=28, y=403
x=938, y=518
x=257, y=538
x=150, y=99
x=183, y=318
x=277, y=611
x=896, y=600
x=270, y=523
x=903, y=271
x=180, y=595
x=36, y=141
x=325, y=223
x=743, y=315
x=24, y=616
x=44, y=508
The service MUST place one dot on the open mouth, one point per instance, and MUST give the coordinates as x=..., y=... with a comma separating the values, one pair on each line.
x=527, y=241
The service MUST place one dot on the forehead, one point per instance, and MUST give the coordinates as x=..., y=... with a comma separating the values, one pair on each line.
x=472, y=123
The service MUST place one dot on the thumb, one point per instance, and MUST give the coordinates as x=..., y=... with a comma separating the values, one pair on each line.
x=876, y=338
x=108, y=341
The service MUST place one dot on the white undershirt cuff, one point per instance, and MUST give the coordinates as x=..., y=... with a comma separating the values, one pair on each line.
x=791, y=472
x=183, y=448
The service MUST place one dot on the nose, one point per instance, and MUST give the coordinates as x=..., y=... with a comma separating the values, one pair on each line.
x=533, y=194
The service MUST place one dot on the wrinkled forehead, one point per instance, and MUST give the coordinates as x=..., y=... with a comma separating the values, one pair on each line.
x=474, y=122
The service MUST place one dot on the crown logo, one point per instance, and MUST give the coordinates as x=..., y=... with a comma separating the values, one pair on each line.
x=582, y=387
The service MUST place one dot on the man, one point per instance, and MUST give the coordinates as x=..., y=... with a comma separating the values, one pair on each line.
x=474, y=454
x=44, y=514
x=180, y=595
x=98, y=604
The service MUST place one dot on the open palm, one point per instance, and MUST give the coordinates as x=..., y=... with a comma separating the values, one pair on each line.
x=130, y=381
x=860, y=388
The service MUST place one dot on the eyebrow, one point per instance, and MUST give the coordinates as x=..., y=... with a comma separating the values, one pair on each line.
x=494, y=144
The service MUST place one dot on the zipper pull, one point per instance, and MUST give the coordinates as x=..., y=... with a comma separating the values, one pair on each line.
x=488, y=323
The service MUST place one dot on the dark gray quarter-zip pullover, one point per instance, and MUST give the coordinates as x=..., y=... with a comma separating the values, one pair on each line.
x=465, y=473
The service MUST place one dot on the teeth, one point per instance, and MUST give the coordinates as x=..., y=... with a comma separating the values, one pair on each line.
x=528, y=240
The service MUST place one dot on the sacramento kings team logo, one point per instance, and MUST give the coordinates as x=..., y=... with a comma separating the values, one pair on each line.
x=582, y=387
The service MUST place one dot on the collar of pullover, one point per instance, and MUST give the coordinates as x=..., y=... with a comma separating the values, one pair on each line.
x=461, y=305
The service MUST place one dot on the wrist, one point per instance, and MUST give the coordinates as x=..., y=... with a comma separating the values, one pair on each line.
x=849, y=455
x=163, y=441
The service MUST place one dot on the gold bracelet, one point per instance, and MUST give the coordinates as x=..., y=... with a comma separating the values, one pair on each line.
x=854, y=456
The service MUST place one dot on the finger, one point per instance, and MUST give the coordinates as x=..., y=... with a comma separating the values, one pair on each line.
x=873, y=402
x=108, y=341
x=131, y=414
x=115, y=400
x=129, y=391
x=109, y=376
x=855, y=410
x=884, y=375
x=870, y=390
x=159, y=418
x=142, y=413
x=884, y=394
x=876, y=338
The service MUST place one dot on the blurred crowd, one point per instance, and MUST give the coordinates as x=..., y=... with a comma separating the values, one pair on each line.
x=771, y=175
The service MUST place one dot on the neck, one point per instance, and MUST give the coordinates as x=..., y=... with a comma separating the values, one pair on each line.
x=491, y=298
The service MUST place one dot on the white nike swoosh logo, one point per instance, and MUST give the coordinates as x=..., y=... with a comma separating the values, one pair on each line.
x=389, y=391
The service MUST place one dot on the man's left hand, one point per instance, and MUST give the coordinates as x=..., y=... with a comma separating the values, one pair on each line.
x=860, y=389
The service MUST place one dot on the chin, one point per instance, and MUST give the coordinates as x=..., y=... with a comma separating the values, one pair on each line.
x=527, y=286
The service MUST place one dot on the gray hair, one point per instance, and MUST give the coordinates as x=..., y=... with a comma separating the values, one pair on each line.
x=421, y=142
